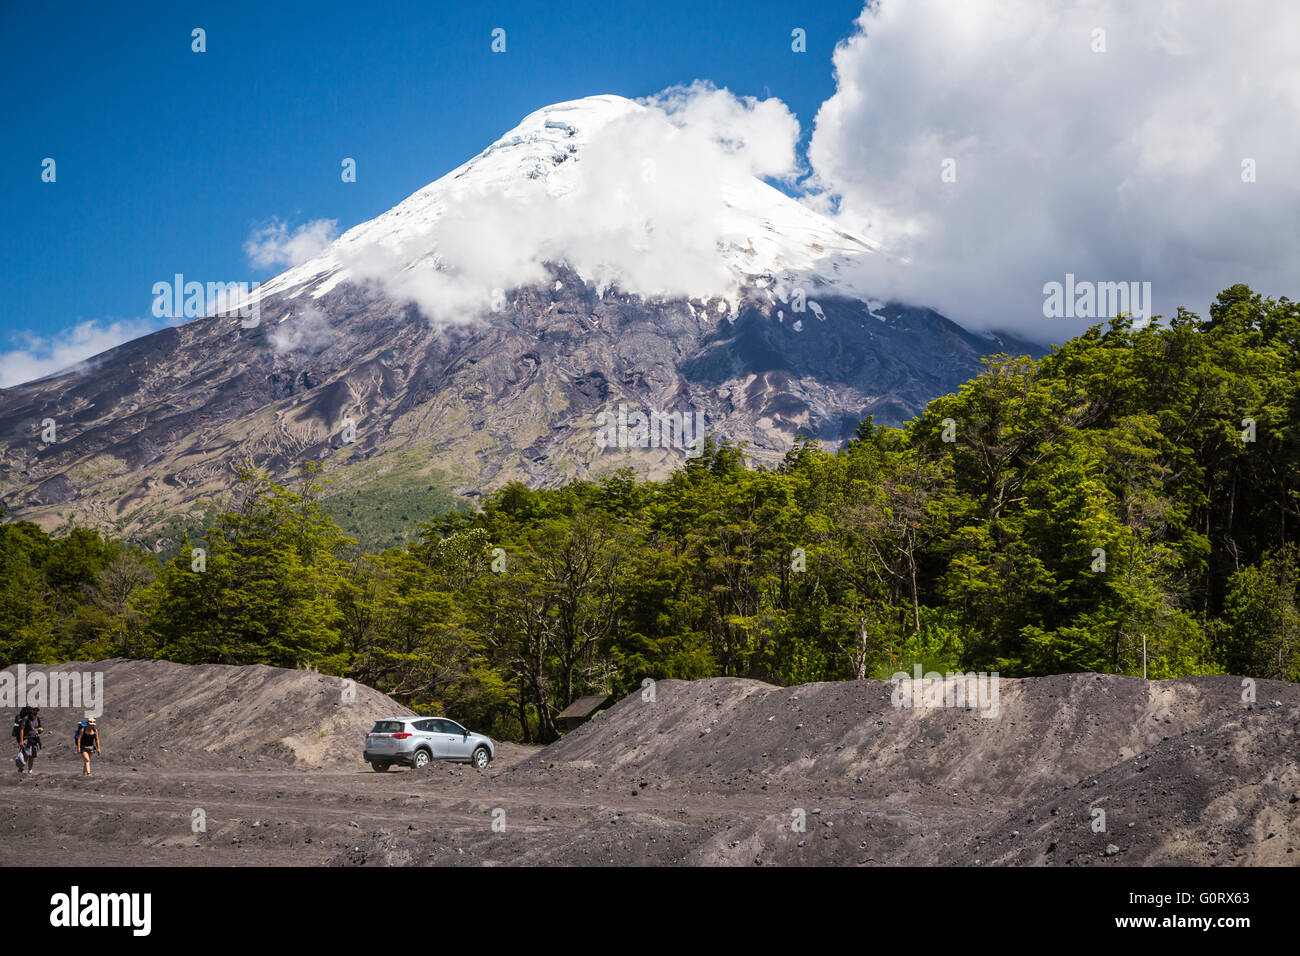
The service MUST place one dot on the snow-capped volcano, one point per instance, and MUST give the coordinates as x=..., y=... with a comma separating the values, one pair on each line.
x=614, y=190
x=588, y=238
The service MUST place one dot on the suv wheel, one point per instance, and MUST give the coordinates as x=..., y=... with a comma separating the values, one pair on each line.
x=379, y=766
x=420, y=760
x=480, y=758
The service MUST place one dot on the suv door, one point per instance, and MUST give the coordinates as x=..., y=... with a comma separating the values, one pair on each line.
x=456, y=739
x=429, y=735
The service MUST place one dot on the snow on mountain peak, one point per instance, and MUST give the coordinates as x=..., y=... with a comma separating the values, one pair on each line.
x=646, y=197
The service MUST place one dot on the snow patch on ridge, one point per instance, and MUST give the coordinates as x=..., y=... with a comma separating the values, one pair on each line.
x=626, y=194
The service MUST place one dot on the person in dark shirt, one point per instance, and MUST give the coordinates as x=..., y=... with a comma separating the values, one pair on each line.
x=87, y=743
x=29, y=738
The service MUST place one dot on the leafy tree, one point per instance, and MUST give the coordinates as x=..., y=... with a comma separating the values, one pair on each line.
x=264, y=592
x=1263, y=619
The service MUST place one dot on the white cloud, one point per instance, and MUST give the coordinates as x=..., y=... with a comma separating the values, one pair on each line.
x=760, y=135
x=276, y=246
x=307, y=330
x=645, y=203
x=38, y=356
x=652, y=204
x=1123, y=165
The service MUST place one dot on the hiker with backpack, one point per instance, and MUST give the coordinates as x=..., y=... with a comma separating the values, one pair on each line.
x=27, y=730
x=20, y=761
x=87, y=742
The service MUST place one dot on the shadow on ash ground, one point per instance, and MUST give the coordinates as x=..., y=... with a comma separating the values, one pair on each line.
x=714, y=772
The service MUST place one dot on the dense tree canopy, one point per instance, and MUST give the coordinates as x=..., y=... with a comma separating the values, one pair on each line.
x=1139, y=485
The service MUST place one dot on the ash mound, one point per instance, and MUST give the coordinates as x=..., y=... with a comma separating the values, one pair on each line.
x=719, y=771
x=218, y=715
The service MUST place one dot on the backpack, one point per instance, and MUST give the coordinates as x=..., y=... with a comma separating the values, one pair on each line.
x=76, y=738
x=20, y=719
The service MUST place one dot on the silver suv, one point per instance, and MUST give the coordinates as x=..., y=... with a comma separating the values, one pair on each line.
x=414, y=741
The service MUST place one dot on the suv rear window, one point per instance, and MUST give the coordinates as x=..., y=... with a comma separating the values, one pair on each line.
x=387, y=727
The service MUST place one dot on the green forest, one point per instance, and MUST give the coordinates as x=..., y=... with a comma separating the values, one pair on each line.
x=1138, y=483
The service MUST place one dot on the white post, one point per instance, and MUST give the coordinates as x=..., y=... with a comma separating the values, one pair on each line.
x=1144, y=657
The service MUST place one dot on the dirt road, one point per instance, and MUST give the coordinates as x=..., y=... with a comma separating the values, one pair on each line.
x=274, y=815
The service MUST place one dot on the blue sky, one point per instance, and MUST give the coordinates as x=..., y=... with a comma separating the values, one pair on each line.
x=1115, y=142
x=168, y=159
